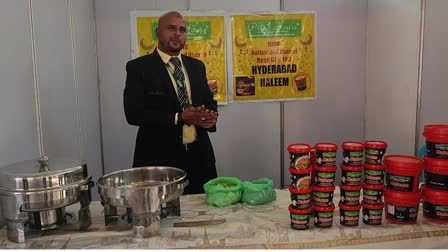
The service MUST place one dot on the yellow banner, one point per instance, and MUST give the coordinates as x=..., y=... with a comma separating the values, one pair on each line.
x=273, y=57
x=205, y=41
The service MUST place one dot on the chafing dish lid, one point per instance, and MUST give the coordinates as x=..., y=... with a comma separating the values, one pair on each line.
x=42, y=174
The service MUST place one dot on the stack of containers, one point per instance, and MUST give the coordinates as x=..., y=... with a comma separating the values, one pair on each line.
x=300, y=188
x=402, y=195
x=373, y=184
x=435, y=189
x=323, y=186
x=350, y=186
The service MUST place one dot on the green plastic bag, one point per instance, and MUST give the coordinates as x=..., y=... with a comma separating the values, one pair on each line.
x=259, y=191
x=223, y=191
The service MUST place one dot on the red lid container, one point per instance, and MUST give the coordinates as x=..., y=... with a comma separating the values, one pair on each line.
x=437, y=133
x=323, y=189
x=349, y=208
x=300, y=171
x=371, y=206
x=350, y=188
x=439, y=197
x=326, y=147
x=374, y=166
x=374, y=187
x=353, y=146
x=404, y=199
x=435, y=204
x=435, y=165
x=299, y=211
x=299, y=191
x=324, y=208
x=299, y=148
x=375, y=144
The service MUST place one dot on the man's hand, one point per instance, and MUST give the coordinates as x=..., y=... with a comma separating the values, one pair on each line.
x=200, y=116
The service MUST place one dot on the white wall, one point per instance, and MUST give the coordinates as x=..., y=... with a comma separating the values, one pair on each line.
x=392, y=73
x=66, y=80
x=435, y=65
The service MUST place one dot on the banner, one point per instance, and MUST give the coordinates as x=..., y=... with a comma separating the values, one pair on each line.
x=273, y=57
x=205, y=41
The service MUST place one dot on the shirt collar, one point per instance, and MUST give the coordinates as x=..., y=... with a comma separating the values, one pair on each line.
x=166, y=57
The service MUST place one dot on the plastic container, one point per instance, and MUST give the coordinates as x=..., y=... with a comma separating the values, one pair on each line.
x=350, y=195
x=313, y=164
x=324, y=176
x=372, y=214
x=323, y=216
x=322, y=196
x=349, y=215
x=436, y=172
x=403, y=172
x=300, y=198
x=326, y=154
x=300, y=218
x=373, y=194
x=436, y=140
x=435, y=204
x=374, y=151
x=299, y=155
x=300, y=178
x=374, y=174
x=351, y=175
x=353, y=153
x=402, y=207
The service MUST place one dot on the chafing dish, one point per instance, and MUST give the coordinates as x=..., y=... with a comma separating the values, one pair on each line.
x=148, y=194
x=34, y=194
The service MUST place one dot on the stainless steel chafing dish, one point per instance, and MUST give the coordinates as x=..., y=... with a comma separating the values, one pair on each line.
x=147, y=193
x=34, y=194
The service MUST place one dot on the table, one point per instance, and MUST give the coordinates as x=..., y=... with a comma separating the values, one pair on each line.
x=246, y=227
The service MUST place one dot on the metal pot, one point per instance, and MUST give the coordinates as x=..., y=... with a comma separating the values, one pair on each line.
x=142, y=191
x=42, y=188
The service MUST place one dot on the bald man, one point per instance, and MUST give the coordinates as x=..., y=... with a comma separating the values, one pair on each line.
x=167, y=97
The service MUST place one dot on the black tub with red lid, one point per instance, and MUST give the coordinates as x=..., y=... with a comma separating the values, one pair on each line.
x=436, y=140
x=402, y=207
x=322, y=196
x=436, y=172
x=373, y=194
x=300, y=218
x=353, y=153
x=326, y=154
x=374, y=151
x=350, y=195
x=323, y=216
x=349, y=215
x=300, y=198
x=300, y=178
x=351, y=175
x=435, y=204
x=403, y=172
x=372, y=214
x=299, y=155
x=374, y=173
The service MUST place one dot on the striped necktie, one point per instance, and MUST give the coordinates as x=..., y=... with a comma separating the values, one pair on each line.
x=179, y=77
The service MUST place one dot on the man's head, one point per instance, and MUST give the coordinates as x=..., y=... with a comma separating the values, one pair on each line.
x=171, y=33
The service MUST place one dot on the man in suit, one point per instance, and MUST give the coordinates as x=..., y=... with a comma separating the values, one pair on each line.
x=167, y=97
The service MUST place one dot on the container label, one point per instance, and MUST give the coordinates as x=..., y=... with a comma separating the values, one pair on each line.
x=350, y=197
x=301, y=181
x=300, y=221
x=434, y=211
x=372, y=197
x=322, y=198
x=437, y=150
x=351, y=177
x=436, y=181
x=299, y=160
x=374, y=177
x=402, y=214
x=301, y=201
x=374, y=156
x=400, y=183
x=324, y=179
x=353, y=158
x=323, y=219
x=372, y=216
x=325, y=158
x=349, y=218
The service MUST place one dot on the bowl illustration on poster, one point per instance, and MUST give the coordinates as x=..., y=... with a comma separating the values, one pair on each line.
x=301, y=81
x=245, y=85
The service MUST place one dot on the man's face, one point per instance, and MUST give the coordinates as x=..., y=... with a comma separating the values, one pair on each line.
x=172, y=34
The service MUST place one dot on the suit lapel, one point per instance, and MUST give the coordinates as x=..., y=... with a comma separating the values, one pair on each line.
x=165, y=77
x=192, y=77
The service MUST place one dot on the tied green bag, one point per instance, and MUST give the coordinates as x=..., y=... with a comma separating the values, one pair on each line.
x=259, y=191
x=223, y=191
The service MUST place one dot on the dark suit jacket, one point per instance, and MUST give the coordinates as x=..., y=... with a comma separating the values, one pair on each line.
x=151, y=103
